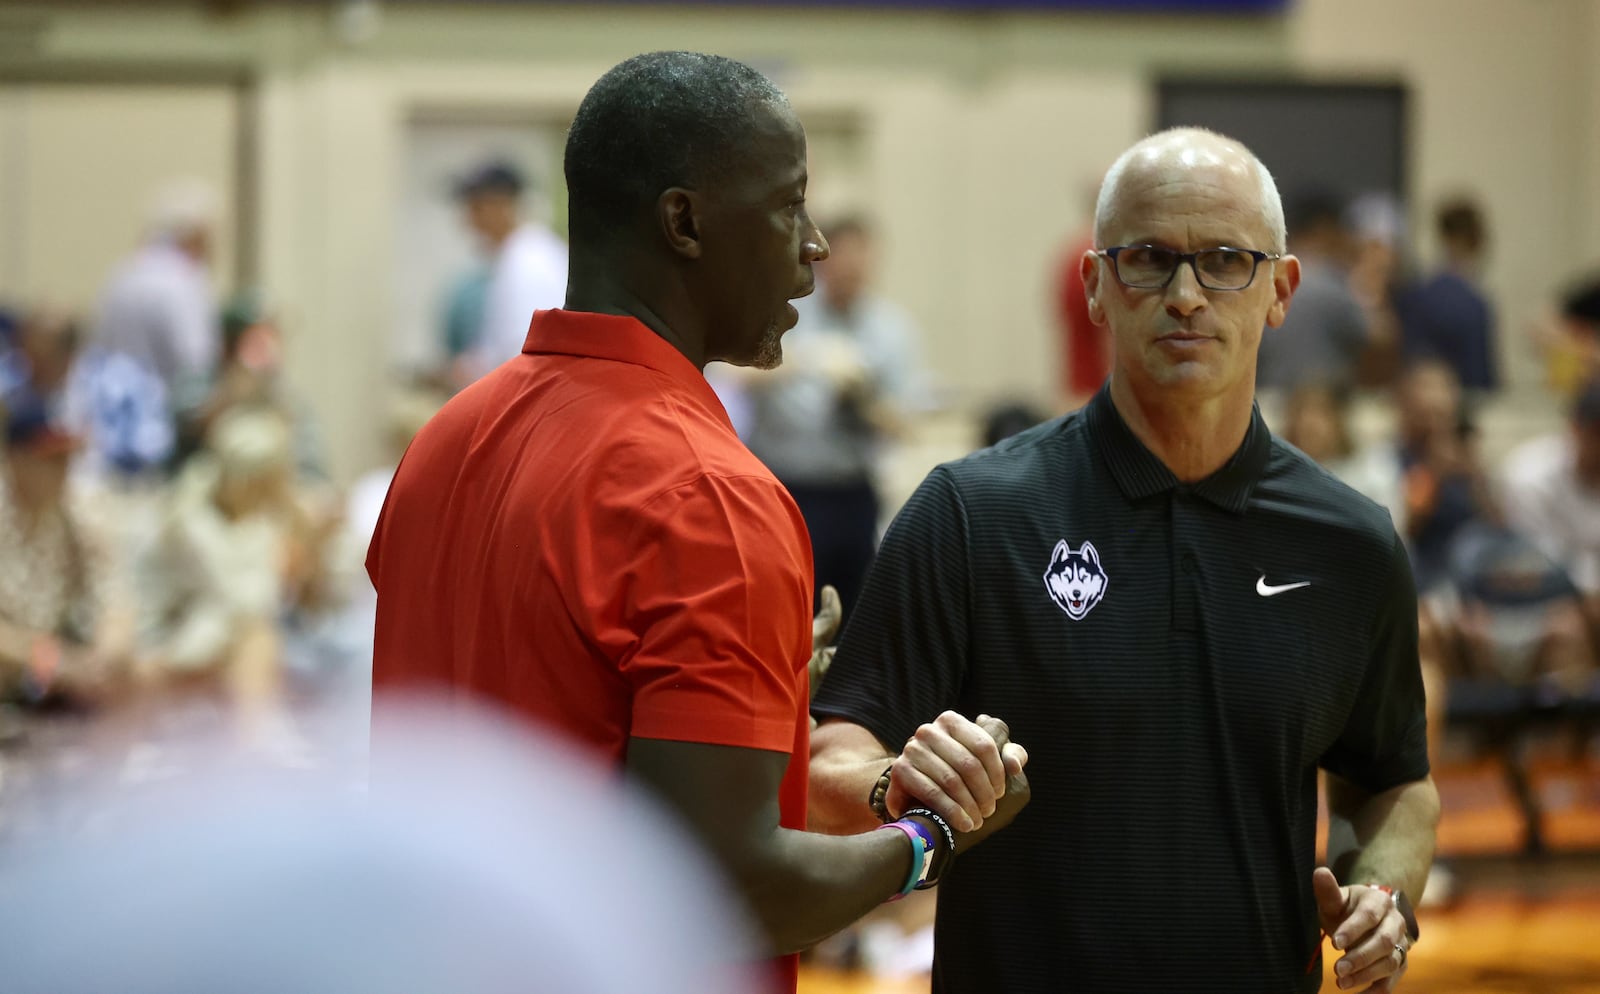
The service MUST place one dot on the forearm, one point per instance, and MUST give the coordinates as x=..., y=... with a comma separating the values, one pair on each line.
x=1385, y=838
x=839, y=793
x=802, y=887
x=798, y=887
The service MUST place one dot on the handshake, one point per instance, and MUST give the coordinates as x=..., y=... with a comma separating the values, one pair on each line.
x=969, y=772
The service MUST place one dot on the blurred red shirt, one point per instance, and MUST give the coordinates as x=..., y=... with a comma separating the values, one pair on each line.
x=1085, y=349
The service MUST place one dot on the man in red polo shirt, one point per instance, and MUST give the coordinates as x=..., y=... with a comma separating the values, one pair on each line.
x=581, y=536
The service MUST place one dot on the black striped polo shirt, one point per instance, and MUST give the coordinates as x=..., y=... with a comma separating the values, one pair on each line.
x=1178, y=659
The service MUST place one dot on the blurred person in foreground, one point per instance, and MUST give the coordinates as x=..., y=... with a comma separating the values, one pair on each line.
x=847, y=386
x=64, y=635
x=1184, y=618
x=527, y=268
x=451, y=875
x=581, y=536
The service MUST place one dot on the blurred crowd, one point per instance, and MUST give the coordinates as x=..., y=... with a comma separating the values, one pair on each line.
x=171, y=530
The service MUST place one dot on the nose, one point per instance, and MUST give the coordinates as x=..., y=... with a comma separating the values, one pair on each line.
x=813, y=246
x=1184, y=294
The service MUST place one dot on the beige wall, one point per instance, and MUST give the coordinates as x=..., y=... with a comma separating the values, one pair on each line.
x=979, y=134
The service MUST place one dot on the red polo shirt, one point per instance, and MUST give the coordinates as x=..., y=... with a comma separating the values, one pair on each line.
x=581, y=536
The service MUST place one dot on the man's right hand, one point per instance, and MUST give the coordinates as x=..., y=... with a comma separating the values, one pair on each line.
x=969, y=772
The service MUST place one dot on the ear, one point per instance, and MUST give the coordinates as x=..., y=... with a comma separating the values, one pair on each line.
x=1091, y=556
x=1061, y=553
x=1285, y=280
x=1090, y=270
x=678, y=212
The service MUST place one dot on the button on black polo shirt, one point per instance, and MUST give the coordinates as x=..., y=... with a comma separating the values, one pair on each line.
x=1178, y=660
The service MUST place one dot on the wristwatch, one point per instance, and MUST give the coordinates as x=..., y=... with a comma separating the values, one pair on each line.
x=1402, y=904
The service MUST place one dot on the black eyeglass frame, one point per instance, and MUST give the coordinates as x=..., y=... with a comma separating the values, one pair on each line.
x=1192, y=258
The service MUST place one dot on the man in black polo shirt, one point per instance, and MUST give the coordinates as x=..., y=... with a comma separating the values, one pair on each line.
x=1184, y=618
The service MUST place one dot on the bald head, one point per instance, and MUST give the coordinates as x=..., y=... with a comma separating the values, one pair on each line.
x=1190, y=155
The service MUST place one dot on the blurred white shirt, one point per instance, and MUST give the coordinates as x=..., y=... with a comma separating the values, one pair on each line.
x=1548, y=506
x=529, y=274
x=159, y=308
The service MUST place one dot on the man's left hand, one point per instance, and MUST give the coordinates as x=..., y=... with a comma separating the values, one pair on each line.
x=1365, y=924
x=824, y=629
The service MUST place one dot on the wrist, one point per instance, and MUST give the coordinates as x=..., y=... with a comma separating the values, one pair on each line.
x=943, y=850
x=921, y=861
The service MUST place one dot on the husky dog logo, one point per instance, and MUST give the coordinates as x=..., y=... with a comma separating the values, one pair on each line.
x=1075, y=580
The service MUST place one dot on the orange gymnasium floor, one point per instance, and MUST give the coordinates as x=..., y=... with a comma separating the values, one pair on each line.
x=1515, y=925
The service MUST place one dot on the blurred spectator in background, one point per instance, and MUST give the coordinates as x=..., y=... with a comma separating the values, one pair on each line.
x=850, y=380
x=1552, y=494
x=1326, y=331
x=461, y=318
x=39, y=354
x=527, y=269
x=1315, y=421
x=250, y=373
x=409, y=412
x=1084, y=348
x=1569, y=337
x=1379, y=268
x=1429, y=475
x=1447, y=316
x=158, y=306
x=1443, y=483
x=1004, y=420
x=153, y=343
x=240, y=556
x=59, y=631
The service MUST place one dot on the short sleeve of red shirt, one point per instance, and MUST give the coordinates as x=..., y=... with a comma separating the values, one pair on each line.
x=717, y=594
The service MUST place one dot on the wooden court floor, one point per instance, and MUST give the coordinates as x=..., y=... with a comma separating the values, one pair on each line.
x=1519, y=925
x=1492, y=945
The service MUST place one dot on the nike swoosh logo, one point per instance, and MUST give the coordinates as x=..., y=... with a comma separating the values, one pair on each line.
x=1266, y=591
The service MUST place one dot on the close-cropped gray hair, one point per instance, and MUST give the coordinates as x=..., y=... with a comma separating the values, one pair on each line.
x=1271, y=201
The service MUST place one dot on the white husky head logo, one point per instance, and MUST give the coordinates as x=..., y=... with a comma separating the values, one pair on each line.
x=1075, y=580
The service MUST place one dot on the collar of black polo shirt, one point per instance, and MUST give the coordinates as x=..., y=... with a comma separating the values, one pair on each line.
x=1140, y=473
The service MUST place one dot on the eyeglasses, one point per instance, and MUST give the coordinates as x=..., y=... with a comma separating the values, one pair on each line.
x=1146, y=267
